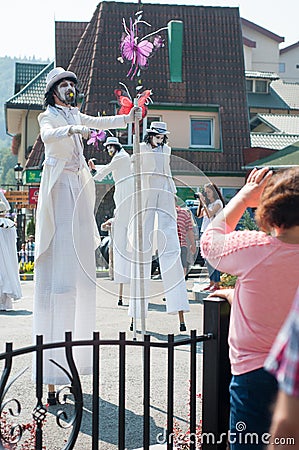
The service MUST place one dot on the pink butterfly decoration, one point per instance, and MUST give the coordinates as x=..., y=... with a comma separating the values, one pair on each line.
x=96, y=137
x=138, y=51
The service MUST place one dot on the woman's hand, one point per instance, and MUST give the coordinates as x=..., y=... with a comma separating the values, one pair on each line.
x=227, y=294
x=255, y=184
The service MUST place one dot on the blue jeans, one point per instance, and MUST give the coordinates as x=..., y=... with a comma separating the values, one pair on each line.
x=214, y=274
x=251, y=397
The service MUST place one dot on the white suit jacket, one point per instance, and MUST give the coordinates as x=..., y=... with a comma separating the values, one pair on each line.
x=60, y=146
x=148, y=166
x=120, y=167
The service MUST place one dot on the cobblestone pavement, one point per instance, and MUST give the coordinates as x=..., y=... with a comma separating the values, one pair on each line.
x=16, y=326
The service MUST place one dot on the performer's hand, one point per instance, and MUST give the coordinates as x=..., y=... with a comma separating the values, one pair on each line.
x=136, y=112
x=80, y=129
x=91, y=164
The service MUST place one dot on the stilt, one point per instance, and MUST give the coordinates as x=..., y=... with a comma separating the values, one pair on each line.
x=51, y=400
x=120, y=294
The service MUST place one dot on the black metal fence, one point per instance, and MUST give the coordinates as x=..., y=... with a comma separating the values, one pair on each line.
x=215, y=402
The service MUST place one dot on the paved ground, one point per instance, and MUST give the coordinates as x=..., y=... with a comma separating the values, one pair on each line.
x=16, y=326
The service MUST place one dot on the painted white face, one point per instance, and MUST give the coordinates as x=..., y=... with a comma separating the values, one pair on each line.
x=157, y=140
x=111, y=149
x=66, y=91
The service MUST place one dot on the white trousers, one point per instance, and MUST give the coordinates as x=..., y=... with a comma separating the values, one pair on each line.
x=160, y=207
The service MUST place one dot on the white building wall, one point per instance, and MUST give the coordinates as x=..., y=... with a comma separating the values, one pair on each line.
x=265, y=56
x=290, y=60
x=247, y=57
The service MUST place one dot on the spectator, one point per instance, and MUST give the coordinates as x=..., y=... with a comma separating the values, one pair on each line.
x=23, y=255
x=10, y=287
x=211, y=203
x=185, y=233
x=266, y=264
x=283, y=363
x=30, y=247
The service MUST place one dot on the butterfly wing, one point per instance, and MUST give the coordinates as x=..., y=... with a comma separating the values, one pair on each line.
x=143, y=51
x=143, y=100
x=124, y=102
x=128, y=48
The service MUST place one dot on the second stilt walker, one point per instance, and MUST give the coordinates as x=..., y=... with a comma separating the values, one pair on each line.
x=158, y=203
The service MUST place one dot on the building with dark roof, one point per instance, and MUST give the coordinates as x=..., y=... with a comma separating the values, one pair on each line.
x=205, y=107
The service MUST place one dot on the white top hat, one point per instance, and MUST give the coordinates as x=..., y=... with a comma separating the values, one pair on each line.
x=158, y=128
x=111, y=140
x=58, y=74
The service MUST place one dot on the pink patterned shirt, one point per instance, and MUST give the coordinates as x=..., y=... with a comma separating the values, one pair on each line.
x=267, y=271
x=283, y=361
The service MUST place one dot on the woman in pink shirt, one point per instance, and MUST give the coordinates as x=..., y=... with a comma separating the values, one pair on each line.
x=266, y=263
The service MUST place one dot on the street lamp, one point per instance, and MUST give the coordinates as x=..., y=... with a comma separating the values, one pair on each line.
x=18, y=174
x=18, y=169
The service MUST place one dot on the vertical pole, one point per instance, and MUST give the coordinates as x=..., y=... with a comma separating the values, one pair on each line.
x=95, y=391
x=121, y=391
x=216, y=375
x=139, y=227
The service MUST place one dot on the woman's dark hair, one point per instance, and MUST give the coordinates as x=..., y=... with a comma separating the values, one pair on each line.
x=279, y=203
x=216, y=194
x=49, y=97
x=149, y=135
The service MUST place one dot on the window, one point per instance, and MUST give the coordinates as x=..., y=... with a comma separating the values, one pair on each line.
x=261, y=86
x=249, y=85
x=258, y=86
x=202, y=133
x=282, y=67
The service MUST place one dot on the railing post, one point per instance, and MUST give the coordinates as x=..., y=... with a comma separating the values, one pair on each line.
x=216, y=375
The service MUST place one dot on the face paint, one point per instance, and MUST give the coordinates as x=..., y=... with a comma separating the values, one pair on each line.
x=157, y=140
x=111, y=150
x=66, y=92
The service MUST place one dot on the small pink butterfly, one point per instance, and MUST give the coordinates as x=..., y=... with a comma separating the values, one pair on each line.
x=96, y=137
x=138, y=52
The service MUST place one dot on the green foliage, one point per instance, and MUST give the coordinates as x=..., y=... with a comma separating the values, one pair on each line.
x=227, y=280
x=7, y=163
x=30, y=228
x=247, y=222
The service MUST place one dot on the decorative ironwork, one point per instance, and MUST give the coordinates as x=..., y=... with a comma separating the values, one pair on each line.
x=12, y=408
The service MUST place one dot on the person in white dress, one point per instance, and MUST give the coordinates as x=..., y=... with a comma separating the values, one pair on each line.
x=120, y=167
x=66, y=230
x=10, y=286
x=158, y=211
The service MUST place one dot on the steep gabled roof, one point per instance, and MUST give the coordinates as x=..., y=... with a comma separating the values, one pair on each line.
x=33, y=93
x=25, y=72
x=30, y=97
x=289, y=48
x=262, y=30
x=67, y=36
x=213, y=69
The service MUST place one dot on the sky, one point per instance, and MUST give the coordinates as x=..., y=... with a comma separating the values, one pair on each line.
x=27, y=27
